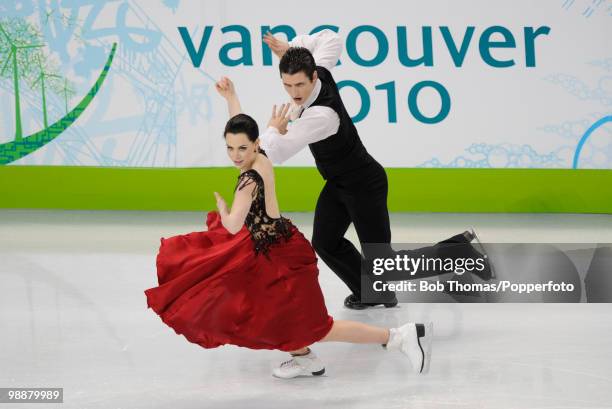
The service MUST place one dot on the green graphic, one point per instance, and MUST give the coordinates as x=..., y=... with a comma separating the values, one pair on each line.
x=19, y=57
x=26, y=61
x=43, y=74
x=68, y=92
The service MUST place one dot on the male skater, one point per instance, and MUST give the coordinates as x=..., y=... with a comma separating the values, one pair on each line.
x=356, y=184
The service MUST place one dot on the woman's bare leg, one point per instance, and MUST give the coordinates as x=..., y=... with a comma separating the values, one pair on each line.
x=353, y=332
x=412, y=339
x=356, y=333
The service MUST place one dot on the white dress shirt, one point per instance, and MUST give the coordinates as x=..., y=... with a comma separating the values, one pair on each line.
x=316, y=123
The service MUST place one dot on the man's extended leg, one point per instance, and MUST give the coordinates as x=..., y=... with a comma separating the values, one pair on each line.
x=366, y=200
x=331, y=220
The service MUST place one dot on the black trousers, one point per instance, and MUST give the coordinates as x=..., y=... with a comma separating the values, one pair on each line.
x=359, y=197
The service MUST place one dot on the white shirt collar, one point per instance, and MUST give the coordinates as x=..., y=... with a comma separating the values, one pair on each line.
x=313, y=95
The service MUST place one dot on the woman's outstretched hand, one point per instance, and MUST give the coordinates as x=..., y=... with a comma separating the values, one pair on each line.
x=280, y=118
x=225, y=87
x=278, y=47
x=221, y=205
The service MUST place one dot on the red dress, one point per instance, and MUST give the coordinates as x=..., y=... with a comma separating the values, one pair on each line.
x=257, y=289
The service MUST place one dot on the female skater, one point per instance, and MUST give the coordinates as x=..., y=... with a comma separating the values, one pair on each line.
x=251, y=280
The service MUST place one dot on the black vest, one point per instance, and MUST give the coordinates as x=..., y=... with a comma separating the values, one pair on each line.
x=342, y=152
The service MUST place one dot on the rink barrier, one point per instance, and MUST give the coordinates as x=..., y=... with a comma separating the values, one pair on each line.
x=410, y=189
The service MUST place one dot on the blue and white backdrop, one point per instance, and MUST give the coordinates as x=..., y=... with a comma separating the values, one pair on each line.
x=436, y=83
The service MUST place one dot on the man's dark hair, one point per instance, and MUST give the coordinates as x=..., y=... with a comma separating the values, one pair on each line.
x=297, y=59
x=242, y=123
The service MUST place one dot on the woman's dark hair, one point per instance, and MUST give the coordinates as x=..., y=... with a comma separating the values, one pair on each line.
x=297, y=59
x=242, y=123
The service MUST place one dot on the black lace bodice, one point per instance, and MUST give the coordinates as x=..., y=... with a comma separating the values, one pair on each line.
x=265, y=230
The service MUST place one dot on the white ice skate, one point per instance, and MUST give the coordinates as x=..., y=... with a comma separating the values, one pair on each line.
x=304, y=365
x=414, y=340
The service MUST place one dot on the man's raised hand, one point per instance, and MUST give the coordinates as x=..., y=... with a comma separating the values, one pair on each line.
x=280, y=118
x=278, y=47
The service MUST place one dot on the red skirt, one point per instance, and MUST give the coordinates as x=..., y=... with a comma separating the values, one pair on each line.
x=214, y=290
